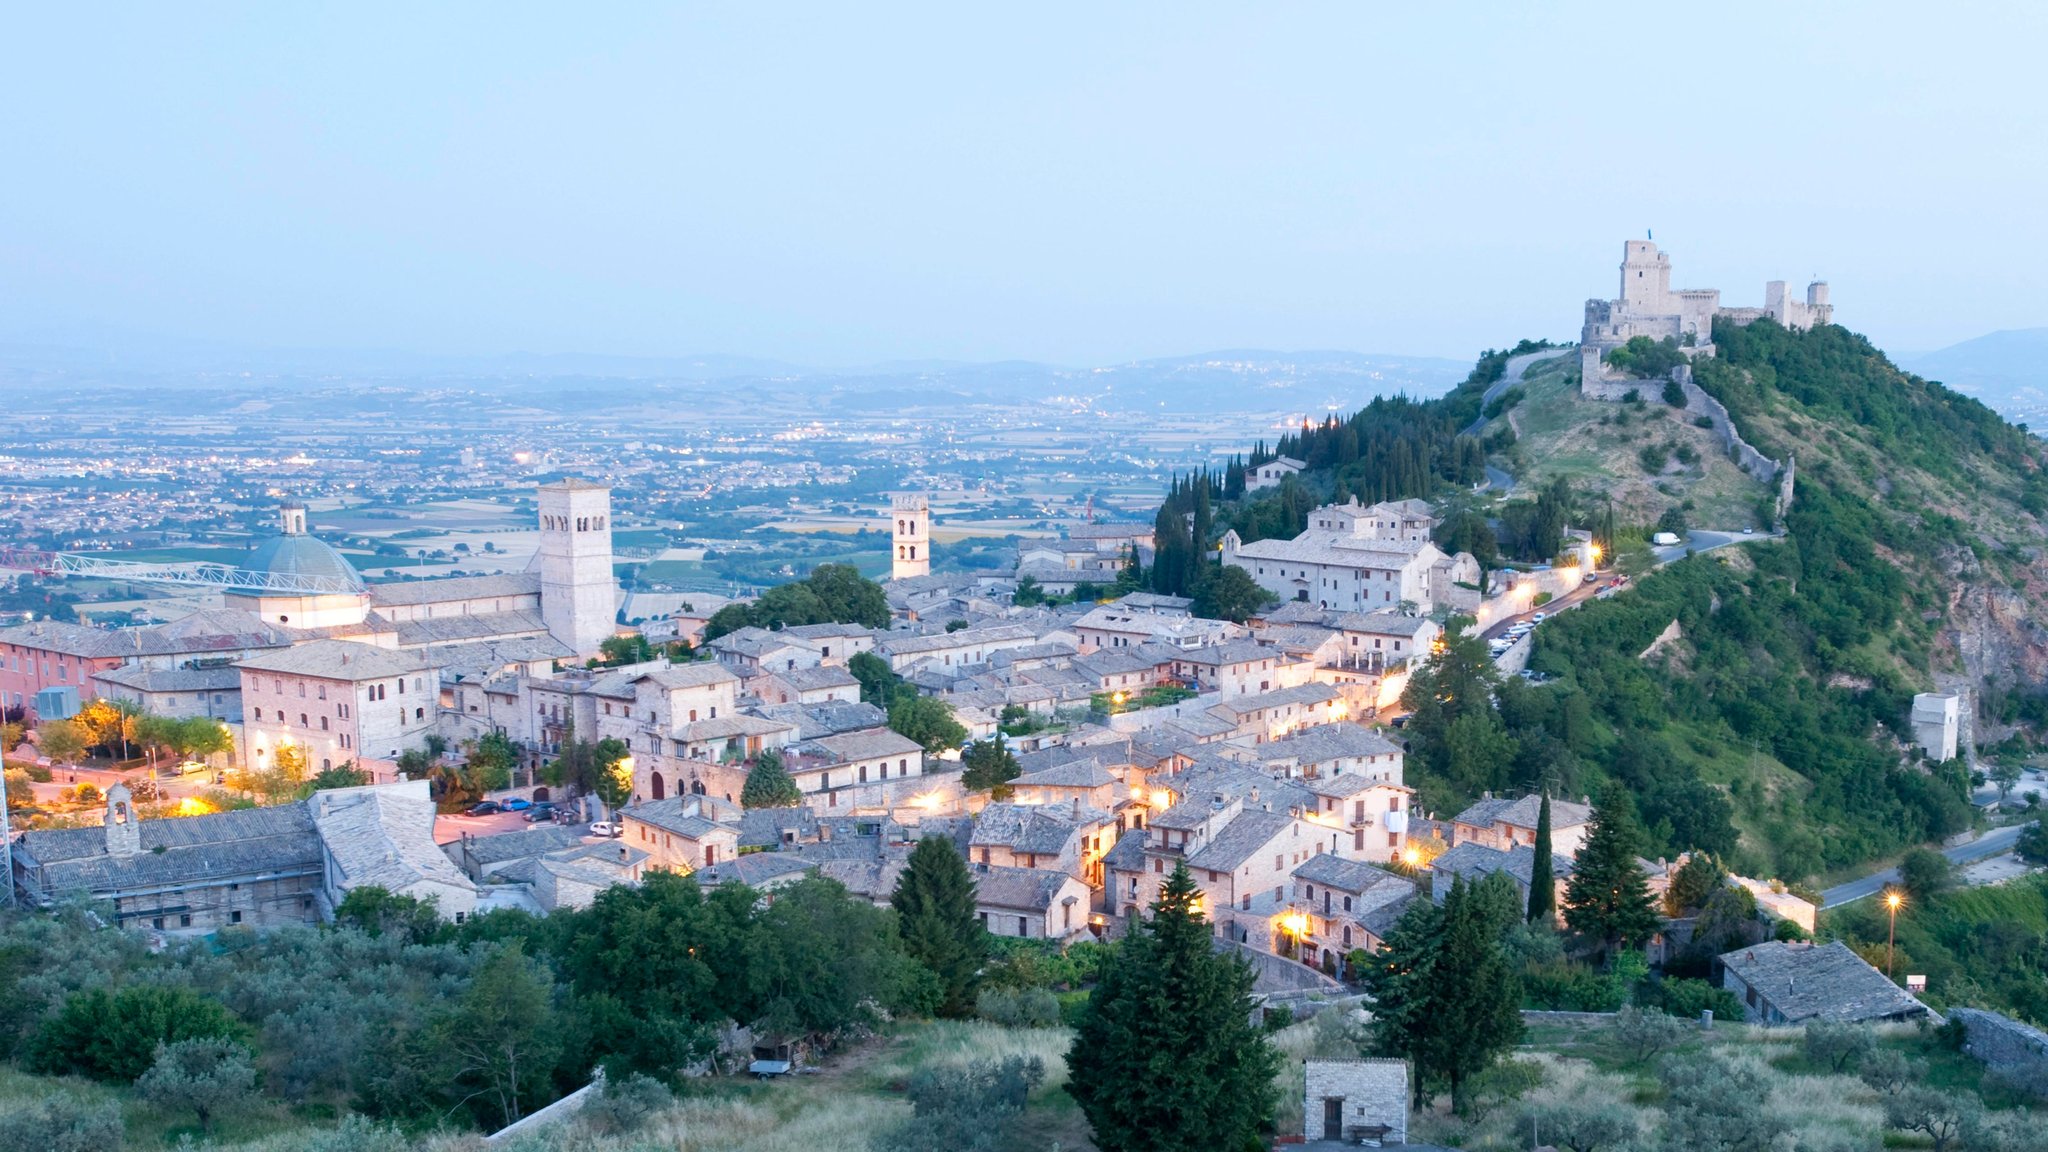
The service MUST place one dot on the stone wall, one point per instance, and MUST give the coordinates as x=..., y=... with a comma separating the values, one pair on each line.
x=1374, y=1092
x=1998, y=1041
x=1597, y=383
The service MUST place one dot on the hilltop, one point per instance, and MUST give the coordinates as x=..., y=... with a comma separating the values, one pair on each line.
x=1773, y=729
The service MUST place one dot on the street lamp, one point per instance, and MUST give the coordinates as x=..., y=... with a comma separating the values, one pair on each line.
x=1892, y=900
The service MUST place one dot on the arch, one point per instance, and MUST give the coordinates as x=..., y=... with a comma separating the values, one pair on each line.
x=696, y=787
x=540, y=793
x=660, y=789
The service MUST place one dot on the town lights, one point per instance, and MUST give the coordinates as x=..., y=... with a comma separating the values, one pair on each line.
x=1411, y=857
x=1295, y=923
x=1892, y=900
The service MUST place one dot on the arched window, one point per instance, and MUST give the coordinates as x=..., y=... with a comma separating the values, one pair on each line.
x=654, y=781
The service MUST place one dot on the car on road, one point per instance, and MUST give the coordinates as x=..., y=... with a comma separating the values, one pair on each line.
x=1748, y=531
x=607, y=828
x=1665, y=539
x=1538, y=618
x=518, y=804
x=483, y=808
x=1591, y=578
x=191, y=766
x=539, y=812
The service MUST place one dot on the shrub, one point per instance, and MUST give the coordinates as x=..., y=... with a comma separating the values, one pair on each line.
x=1888, y=1071
x=1646, y=1032
x=958, y=1109
x=1023, y=1008
x=355, y=1134
x=1686, y=999
x=1277, y=1017
x=624, y=1104
x=204, y=1076
x=62, y=1123
x=1838, y=1047
x=114, y=1036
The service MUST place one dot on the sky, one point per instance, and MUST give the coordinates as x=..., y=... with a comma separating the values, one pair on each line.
x=1077, y=184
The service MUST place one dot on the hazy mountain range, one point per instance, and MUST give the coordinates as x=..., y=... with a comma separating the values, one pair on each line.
x=2007, y=370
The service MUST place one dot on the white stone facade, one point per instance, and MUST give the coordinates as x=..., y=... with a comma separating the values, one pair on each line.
x=1937, y=723
x=1648, y=306
x=578, y=595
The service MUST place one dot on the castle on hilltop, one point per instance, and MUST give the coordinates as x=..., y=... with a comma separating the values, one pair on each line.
x=1649, y=307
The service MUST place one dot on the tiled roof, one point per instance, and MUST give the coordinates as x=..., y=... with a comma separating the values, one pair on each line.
x=1038, y=829
x=682, y=815
x=178, y=851
x=815, y=720
x=1024, y=889
x=1524, y=812
x=382, y=837
x=846, y=747
x=1086, y=773
x=172, y=679
x=1250, y=831
x=1242, y=651
x=447, y=589
x=339, y=660
x=755, y=869
x=1820, y=982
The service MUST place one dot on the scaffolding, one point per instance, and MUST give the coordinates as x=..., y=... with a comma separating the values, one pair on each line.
x=189, y=573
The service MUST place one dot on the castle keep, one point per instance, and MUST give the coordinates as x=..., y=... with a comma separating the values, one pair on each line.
x=1649, y=307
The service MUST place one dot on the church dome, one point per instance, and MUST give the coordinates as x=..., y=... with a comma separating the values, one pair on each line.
x=294, y=553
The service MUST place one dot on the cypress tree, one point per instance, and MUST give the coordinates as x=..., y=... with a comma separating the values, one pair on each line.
x=1167, y=1059
x=769, y=784
x=1476, y=995
x=1542, y=885
x=1400, y=978
x=934, y=902
x=1608, y=899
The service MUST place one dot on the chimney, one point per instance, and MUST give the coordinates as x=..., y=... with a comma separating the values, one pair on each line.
x=1077, y=808
x=622, y=854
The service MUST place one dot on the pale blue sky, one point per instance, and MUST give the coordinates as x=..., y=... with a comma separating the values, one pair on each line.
x=1079, y=184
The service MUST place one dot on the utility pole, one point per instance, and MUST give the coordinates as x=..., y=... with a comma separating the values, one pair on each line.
x=6, y=858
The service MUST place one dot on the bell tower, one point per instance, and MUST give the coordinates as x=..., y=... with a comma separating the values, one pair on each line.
x=912, y=537
x=578, y=594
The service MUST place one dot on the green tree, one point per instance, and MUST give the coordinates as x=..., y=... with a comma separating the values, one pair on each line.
x=927, y=720
x=1608, y=899
x=499, y=1042
x=1925, y=873
x=1694, y=884
x=612, y=782
x=342, y=775
x=631, y=649
x=1028, y=592
x=376, y=911
x=878, y=682
x=988, y=766
x=1458, y=744
x=1130, y=577
x=21, y=793
x=2006, y=772
x=1542, y=884
x=1839, y=1047
x=10, y=736
x=1937, y=1113
x=769, y=784
x=205, y=1076
x=1228, y=592
x=934, y=902
x=1475, y=997
x=61, y=740
x=1580, y=1124
x=1166, y=1058
x=1713, y=1104
x=113, y=1035
x=2032, y=846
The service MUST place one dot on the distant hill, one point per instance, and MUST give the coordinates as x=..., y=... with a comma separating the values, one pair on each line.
x=1311, y=383
x=2007, y=370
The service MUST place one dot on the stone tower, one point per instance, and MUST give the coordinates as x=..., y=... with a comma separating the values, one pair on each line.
x=124, y=832
x=578, y=595
x=1645, y=278
x=913, y=515
x=291, y=520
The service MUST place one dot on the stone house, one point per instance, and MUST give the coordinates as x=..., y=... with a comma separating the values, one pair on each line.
x=1240, y=668
x=1070, y=838
x=1501, y=823
x=680, y=834
x=1475, y=862
x=1793, y=983
x=752, y=649
x=1033, y=903
x=337, y=701
x=1272, y=472
x=1347, y=905
x=823, y=684
x=1369, y=815
x=1271, y=715
x=863, y=768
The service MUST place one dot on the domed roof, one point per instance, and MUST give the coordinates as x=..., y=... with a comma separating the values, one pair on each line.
x=304, y=556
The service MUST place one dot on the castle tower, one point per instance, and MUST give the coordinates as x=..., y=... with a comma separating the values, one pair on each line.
x=913, y=532
x=578, y=594
x=1645, y=279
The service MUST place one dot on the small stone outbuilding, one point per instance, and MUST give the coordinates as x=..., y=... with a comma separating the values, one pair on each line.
x=1356, y=1100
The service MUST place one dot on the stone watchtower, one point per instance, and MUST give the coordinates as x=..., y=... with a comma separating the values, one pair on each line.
x=913, y=537
x=578, y=595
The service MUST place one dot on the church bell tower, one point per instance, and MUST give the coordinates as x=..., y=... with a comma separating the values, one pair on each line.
x=913, y=537
x=578, y=594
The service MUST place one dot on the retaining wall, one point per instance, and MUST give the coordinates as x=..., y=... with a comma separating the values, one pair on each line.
x=1999, y=1041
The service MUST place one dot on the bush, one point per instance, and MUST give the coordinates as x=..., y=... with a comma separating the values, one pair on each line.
x=1025, y=1008
x=62, y=1123
x=1646, y=1032
x=1686, y=999
x=355, y=1134
x=966, y=1109
x=1277, y=1017
x=1838, y=1047
x=114, y=1036
x=204, y=1076
x=624, y=1104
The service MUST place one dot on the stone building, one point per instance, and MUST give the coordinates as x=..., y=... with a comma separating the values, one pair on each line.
x=1356, y=558
x=1648, y=306
x=336, y=701
x=912, y=536
x=1781, y=983
x=1937, y=723
x=1354, y=1101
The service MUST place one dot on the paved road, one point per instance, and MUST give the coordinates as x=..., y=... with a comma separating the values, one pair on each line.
x=1992, y=843
x=1707, y=542
x=1498, y=478
x=1510, y=377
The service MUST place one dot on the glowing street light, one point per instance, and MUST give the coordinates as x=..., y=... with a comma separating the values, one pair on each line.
x=1295, y=923
x=1892, y=900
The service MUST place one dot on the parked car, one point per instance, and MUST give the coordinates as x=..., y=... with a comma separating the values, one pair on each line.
x=1591, y=578
x=606, y=828
x=539, y=812
x=1538, y=618
x=483, y=808
x=1748, y=530
x=518, y=804
x=191, y=766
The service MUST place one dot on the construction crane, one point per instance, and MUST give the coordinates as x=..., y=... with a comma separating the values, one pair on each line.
x=189, y=573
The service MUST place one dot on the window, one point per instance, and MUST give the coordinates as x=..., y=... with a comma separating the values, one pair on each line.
x=1347, y=908
x=185, y=921
x=321, y=692
x=1246, y=902
x=401, y=685
x=419, y=713
x=1158, y=865
x=323, y=723
x=302, y=689
x=259, y=713
x=234, y=917
x=303, y=722
x=157, y=922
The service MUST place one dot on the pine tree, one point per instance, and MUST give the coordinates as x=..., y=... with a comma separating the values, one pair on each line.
x=769, y=784
x=934, y=902
x=1167, y=1059
x=1542, y=885
x=1608, y=899
x=988, y=766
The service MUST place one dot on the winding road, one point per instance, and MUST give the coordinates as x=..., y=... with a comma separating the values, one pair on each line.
x=1992, y=843
x=1509, y=377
